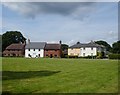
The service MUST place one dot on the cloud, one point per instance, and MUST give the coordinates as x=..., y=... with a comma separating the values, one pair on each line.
x=60, y=0
x=33, y=9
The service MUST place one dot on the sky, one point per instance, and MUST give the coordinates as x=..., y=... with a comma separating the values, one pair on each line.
x=69, y=22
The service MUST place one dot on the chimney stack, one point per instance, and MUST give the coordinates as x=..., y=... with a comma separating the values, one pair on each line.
x=78, y=42
x=60, y=42
x=28, y=41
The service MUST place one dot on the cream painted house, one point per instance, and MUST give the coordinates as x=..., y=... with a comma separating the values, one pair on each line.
x=87, y=49
x=74, y=51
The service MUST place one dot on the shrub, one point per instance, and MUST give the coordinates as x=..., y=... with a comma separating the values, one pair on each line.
x=88, y=57
x=66, y=56
x=100, y=55
x=114, y=56
x=73, y=56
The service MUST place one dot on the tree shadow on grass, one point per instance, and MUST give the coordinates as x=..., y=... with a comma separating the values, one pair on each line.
x=11, y=75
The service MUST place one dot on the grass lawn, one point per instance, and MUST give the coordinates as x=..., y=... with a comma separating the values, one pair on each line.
x=44, y=75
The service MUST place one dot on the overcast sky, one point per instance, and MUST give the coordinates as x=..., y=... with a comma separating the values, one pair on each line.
x=69, y=22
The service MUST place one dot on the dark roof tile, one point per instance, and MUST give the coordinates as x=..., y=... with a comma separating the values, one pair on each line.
x=52, y=46
x=16, y=46
x=36, y=45
x=86, y=45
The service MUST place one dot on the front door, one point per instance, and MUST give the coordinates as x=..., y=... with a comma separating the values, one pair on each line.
x=51, y=55
x=34, y=55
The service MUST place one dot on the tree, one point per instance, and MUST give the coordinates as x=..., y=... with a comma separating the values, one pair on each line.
x=116, y=47
x=12, y=37
x=64, y=47
x=104, y=43
x=0, y=45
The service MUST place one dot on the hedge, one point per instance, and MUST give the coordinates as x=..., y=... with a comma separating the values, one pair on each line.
x=114, y=56
x=85, y=57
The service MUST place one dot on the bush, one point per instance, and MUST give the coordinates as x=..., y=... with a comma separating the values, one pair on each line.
x=73, y=56
x=114, y=56
x=90, y=57
x=66, y=56
x=100, y=55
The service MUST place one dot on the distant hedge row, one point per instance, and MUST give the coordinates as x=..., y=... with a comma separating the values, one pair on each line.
x=86, y=57
x=114, y=56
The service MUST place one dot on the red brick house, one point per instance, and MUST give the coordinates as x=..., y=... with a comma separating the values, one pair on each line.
x=14, y=50
x=52, y=50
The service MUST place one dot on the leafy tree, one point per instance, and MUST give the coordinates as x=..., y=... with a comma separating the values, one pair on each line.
x=0, y=38
x=0, y=45
x=64, y=46
x=12, y=37
x=104, y=43
x=116, y=47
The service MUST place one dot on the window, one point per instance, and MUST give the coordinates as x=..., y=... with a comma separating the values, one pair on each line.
x=55, y=50
x=39, y=49
x=91, y=54
x=34, y=49
x=46, y=54
x=28, y=49
x=38, y=55
x=13, y=54
x=91, y=48
x=84, y=48
x=29, y=55
x=83, y=54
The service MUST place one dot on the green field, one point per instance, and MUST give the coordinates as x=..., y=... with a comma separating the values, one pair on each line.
x=44, y=75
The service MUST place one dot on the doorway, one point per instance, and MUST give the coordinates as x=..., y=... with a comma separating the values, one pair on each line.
x=51, y=55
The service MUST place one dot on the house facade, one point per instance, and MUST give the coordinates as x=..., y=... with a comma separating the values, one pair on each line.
x=53, y=50
x=35, y=49
x=74, y=51
x=88, y=49
x=14, y=50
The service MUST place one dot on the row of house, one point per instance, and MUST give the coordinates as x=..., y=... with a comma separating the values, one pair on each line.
x=86, y=49
x=33, y=50
x=43, y=49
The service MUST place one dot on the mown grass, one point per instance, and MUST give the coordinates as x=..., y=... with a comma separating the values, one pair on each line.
x=44, y=75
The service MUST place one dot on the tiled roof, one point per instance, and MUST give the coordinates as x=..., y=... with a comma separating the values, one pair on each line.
x=86, y=45
x=35, y=45
x=52, y=46
x=16, y=46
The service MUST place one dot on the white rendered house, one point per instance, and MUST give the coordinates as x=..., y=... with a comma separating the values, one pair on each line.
x=88, y=49
x=34, y=49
